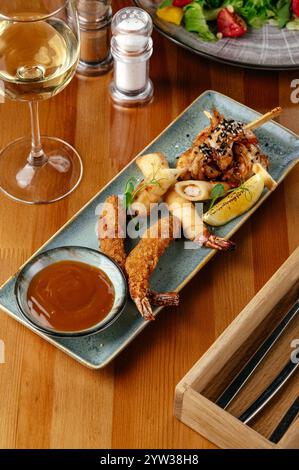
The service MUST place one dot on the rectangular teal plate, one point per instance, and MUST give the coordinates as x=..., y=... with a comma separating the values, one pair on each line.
x=96, y=351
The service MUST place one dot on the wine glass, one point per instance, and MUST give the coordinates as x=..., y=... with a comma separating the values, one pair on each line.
x=39, y=54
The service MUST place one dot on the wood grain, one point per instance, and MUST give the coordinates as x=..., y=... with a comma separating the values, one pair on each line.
x=197, y=392
x=48, y=400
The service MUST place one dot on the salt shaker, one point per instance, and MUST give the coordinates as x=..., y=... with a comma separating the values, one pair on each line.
x=95, y=30
x=131, y=48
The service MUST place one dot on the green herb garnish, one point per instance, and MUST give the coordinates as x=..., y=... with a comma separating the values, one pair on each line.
x=246, y=190
x=218, y=192
x=131, y=190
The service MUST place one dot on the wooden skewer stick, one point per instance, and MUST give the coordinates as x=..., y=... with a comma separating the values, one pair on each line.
x=266, y=117
x=208, y=114
x=259, y=121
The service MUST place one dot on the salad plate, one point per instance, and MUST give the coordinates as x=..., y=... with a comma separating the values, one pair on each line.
x=265, y=48
x=280, y=144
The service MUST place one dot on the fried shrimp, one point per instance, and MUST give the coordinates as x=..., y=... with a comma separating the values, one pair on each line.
x=112, y=242
x=141, y=263
x=111, y=231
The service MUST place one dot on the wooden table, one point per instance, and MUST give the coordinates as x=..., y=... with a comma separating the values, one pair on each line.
x=47, y=399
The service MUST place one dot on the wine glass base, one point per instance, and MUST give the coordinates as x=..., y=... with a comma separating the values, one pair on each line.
x=55, y=179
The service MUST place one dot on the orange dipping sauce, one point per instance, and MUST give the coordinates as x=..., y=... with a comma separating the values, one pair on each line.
x=70, y=296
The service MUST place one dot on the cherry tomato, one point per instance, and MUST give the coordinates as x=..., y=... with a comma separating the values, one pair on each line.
x=295, y=7
x=181, y=3
x=230, y=24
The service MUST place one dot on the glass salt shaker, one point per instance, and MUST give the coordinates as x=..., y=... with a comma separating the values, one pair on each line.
x=131, y=48
x=95, y=30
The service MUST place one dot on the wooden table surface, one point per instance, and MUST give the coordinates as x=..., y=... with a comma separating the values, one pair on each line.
x=47, y=400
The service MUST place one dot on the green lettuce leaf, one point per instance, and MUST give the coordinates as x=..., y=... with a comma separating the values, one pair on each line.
x=255, y=12
x=166, y=3
x=195, y=21
x=283, y=12
x=237, y=4
x=211, y=14
x=212, y=4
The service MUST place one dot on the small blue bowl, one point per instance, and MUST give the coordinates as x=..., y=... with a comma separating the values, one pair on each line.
x=83, y=255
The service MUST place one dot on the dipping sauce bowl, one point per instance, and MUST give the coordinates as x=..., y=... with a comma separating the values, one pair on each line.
x=71, y=291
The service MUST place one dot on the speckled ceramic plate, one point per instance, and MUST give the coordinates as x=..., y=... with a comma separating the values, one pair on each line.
x=265, y=48
x=96, y=351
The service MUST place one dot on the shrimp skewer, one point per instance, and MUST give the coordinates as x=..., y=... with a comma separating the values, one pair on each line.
x=192, y=224
x=141, y=263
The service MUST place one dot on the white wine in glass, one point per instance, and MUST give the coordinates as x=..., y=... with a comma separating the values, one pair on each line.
x=39, y=54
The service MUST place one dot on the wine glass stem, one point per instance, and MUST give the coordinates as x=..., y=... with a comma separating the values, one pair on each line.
x=36, y=156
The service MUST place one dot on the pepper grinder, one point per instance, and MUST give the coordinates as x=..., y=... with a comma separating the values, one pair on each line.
x=95, y=20
x=131, y=48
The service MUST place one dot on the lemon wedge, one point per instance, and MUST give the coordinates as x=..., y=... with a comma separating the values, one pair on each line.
x=236, y=202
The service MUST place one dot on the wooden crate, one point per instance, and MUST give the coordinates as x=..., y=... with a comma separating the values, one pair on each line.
x=197, y=392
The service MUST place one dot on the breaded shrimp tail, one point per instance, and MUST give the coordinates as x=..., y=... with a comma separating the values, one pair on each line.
x=141, y=263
